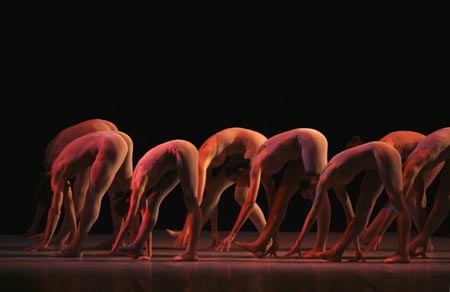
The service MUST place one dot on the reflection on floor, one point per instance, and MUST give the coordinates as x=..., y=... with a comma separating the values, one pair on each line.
x=236, y=270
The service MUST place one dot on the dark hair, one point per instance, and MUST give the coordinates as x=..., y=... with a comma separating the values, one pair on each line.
x=233, y=163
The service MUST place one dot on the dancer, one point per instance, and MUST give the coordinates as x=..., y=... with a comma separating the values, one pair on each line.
x=156, y=174
x=381, y=163
x=212, y=155
x=296, y=152
x=404, y=142
x=107, y=156
x=431, y=151
x=42, y=191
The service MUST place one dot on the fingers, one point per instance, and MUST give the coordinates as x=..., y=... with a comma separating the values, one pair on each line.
x=310, y=255
x=295, y=249
x=221, y=247
x=418, y=251
x=290, y=253
x=37, y=248
x=34, y=236
x=171, y=232
x=224, y=245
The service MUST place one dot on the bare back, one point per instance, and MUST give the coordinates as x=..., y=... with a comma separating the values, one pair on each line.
x=69, y=134
x=307, y=145
x=163, y=158
x=106, y=148
x=221, y=145
x=378, y=156
x=403, y=141
x=216, y=148
x=438, y=144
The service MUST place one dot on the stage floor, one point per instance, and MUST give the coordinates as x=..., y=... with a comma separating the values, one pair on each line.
x=236, y=270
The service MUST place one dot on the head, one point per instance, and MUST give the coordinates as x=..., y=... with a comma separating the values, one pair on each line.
x=307, y=186
x=236, y=169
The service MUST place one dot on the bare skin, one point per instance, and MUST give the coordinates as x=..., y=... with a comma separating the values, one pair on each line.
x=380, y=162
x=430, y=152
x=212, y=155
x=107, y=156
x=404, y=142
x=156, y=174
x=297, y=151
x=79, y=187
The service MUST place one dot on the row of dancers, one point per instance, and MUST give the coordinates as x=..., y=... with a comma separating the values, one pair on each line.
x=87, y=160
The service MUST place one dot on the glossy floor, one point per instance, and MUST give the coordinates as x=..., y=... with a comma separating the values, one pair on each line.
x=236, y=270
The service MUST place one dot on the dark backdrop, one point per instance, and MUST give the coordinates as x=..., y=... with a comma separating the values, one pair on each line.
x=187, y=71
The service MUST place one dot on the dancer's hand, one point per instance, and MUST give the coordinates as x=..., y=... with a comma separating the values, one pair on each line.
x=226, y=243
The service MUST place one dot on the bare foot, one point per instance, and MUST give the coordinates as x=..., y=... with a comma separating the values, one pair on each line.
x=396, y=259
x=143, y=258
x=38, y=236
x=256, y=250
x=173, y=233
x=417, y=248
x=357, y=258
x=68, y=252
x=311, y=254
x=37, y=248
x=130, y=251
x=185, y=257
x=418, y=251
x=331, y=256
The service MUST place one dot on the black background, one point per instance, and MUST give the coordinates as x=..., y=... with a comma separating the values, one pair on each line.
x=186, y=71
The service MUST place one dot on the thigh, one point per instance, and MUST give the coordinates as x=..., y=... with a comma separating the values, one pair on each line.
x=371, y=188
x=80, y=186
x=164, y=186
